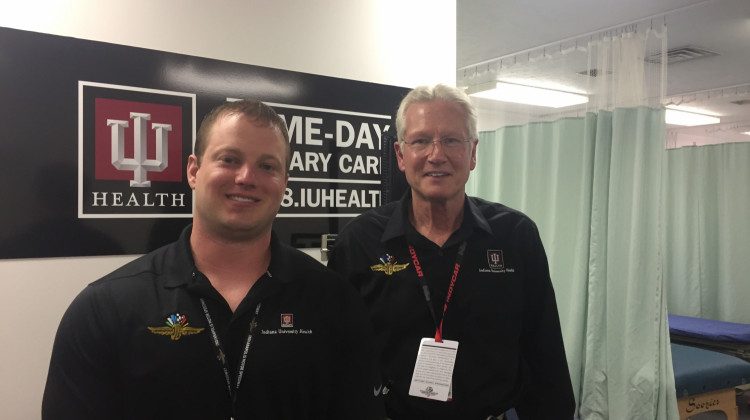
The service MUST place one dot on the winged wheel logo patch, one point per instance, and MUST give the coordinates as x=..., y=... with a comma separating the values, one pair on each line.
x=388, y=265
x=177, y=327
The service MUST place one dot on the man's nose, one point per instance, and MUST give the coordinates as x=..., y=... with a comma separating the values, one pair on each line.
x=245, y=175
x=435, y=150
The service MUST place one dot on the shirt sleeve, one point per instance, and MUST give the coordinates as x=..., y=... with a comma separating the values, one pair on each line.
x=337, y=256
x=550, y=392
x=82, y=378
x=348, y=255
x=358, y=367
x=361, y=345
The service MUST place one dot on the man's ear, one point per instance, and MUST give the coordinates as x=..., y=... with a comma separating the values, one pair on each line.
x=192, y=170
x=474, y=154
x=399, y=156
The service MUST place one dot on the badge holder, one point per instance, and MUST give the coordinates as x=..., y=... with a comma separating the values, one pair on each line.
x=433, y=372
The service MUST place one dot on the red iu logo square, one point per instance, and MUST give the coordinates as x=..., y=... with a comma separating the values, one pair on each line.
x=134, y=144
x=287, y=320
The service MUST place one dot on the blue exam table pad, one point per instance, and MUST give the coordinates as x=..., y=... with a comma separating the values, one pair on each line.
x=708, y=329
x=697, y=370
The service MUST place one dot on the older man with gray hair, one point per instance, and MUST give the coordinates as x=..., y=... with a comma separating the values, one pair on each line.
x=458, y=288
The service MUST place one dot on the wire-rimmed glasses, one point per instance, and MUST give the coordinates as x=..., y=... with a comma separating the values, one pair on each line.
x=448, y=144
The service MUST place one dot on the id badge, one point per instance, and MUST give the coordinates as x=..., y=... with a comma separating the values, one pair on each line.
x=433, y=372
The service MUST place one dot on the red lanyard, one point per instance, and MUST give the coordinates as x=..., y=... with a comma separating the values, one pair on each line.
x=426, y=288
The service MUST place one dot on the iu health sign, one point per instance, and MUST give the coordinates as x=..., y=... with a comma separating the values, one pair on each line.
x=335, y=161
x=97, y=138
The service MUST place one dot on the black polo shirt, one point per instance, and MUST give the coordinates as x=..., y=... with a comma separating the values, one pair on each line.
x=502, y=311
x=137, y=344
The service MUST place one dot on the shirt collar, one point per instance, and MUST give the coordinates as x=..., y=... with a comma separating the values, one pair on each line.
x=479, y=219
x=281, y=266
x=180, y=264
x=178, y=260
x=396, y=225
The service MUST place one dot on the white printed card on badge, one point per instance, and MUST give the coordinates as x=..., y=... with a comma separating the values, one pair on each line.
x=433, y=372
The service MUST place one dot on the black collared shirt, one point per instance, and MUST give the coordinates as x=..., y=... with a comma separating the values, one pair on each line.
x=502, y=311
x=136, y=344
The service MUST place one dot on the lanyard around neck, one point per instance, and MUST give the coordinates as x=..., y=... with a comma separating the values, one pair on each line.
x=426, y=288
x=221, y=354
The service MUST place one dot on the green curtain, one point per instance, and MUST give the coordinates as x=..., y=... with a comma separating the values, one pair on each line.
x=707, y=229
x=593, y=185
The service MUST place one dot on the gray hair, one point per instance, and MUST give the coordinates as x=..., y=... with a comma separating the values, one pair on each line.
x=434, y=93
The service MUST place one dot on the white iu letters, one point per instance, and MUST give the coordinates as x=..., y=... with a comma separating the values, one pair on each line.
x=139, y=164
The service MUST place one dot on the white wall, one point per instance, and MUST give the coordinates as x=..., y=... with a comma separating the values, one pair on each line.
x=395, y=42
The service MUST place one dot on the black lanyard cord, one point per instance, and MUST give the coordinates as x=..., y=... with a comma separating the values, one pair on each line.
x=428, y=299
x=221, y=355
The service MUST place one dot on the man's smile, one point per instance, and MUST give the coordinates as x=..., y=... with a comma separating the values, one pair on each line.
x=243, y=199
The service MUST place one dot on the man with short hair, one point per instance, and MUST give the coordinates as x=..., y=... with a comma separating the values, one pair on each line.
x=226, y=322
x=458, y=288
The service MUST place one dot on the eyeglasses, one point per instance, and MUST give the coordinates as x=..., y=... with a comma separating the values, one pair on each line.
x=448, y=144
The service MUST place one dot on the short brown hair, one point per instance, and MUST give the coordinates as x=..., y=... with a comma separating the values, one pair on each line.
x=254, y=110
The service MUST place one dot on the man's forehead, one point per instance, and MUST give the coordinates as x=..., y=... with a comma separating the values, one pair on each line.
x=424, y=121
x=422, y=106
x=233, y=121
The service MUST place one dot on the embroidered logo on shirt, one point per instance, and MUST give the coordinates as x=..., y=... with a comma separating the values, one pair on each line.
x=287, y=327
x=496, y=263
x=377, y=391
x=287, y=320
x=177, y=326
x=388, y=265
x=495, y=259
